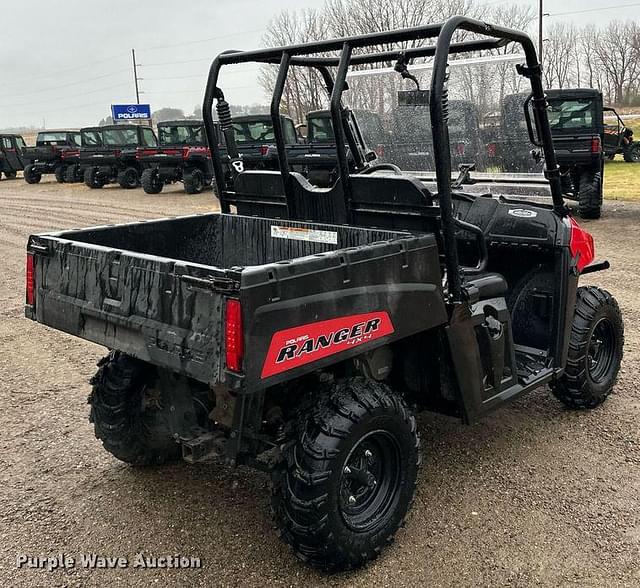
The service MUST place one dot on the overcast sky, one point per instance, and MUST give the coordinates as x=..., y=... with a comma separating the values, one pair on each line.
x=65, y=62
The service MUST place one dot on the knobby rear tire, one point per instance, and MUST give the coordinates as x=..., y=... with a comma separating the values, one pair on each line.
x=131, y=422
x=309, y=505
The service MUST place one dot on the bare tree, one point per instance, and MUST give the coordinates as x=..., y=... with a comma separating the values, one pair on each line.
x=618, y=57
x=559, y=58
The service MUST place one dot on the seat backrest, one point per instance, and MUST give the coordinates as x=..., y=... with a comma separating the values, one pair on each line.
x=390, y=201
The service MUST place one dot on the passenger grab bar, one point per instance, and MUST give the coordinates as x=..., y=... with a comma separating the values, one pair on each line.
x=482, y=244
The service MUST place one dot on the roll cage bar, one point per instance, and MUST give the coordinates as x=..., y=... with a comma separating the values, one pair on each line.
x=306, y=55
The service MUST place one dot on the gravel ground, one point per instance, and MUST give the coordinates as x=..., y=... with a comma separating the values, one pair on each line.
x=533, y=494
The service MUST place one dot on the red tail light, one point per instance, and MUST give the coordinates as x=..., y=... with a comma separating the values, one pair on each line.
x=234, y=344
x=492, y=149
x=31, y=280
x=595, y=145
x=380, y=150
x=69, y=153
x=185, y=152
x=264, y=149
x=460, y=148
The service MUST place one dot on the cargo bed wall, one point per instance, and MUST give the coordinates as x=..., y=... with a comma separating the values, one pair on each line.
x=226, y=241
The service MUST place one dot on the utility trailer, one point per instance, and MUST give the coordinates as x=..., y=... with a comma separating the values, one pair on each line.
x=299, y=330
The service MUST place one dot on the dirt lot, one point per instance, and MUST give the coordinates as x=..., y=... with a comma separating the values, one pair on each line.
x=534, y=494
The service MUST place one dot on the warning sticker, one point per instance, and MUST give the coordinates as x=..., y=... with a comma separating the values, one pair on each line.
x=304, y=234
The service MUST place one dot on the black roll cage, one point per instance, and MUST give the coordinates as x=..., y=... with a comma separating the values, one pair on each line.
x=306, y=55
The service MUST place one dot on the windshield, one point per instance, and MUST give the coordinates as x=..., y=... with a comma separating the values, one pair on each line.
x=181, y=135
x=52, y=138
x=571, y=114
x=91, y=139
x=320, y=129
x=120, y=137
x=254, y=132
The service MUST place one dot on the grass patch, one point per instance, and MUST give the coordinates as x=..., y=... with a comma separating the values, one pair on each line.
x=621, y=180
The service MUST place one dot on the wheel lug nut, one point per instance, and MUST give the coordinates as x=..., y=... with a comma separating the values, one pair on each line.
x=368, y=454
x=347, y=470
x=352, y=499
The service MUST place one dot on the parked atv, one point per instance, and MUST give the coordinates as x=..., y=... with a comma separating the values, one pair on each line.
x=182, y=156
x=299, y=330
x=11, y=155
x=618, y=139
x=78, y=160
x=47, y=155
x=116, y=158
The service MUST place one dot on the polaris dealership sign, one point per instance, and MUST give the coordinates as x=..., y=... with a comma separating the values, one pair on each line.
x=127, y=112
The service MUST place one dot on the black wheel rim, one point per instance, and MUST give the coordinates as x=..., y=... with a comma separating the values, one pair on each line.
x=370, y=481
x=601, y=353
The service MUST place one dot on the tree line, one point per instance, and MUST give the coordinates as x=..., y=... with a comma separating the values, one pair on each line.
x=606, y=57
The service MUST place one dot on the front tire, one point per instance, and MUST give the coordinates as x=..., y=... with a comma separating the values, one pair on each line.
x=130, y=417
x=31, y=176
x=60, y=173
x=590, y=194
x=632, y=153
x=194, y=182
x=348, y=477
x=129, y=178
x=151, y=183
x=93, y=179
x=595, y=350
x=71, y=175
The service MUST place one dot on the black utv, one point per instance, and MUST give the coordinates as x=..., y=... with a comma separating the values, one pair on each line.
x=11, y=158
x=255, y=139
x=618, y=140
x=316, y=158
x=116, y=155
x=577, y=126
x=47, y=157
x=182, y=156
x=301, y=328
x=411, y=146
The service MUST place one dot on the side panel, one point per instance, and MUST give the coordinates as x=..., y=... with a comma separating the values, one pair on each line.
x=330, y=307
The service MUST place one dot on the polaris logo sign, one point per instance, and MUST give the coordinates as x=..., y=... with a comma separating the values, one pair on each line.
x=130, y=112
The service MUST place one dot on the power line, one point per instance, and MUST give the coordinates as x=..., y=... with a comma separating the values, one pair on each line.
x=47, y=100
x=55, y=73
x=50, y=88
x=196, y=41
x=594, y=9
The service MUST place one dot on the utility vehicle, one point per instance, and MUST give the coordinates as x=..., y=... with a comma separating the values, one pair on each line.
x=300, y=329
x=255, y=139
x=11, y=159
x=618, y=140
x=182, y=156
x=116, y=158
x=411, y=146
x=577, y=127
x=78, y=160
x=317, y=159
x=47, y=155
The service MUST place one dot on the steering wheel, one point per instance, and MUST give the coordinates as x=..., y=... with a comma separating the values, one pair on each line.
x=382, y=167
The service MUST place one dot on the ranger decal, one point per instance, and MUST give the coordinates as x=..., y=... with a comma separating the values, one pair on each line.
x=300, y=345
